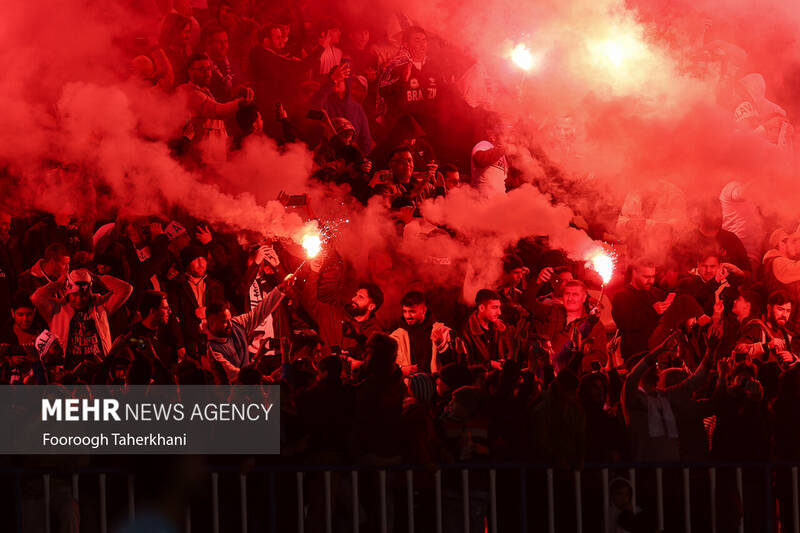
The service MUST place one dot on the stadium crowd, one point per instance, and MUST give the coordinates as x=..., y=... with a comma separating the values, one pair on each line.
x=688, y=355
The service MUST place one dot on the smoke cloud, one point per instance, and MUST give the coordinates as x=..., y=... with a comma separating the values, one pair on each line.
x=622, y=97
x=78, y=123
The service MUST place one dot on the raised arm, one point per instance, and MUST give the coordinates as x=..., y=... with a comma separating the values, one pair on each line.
x=696, y=380
x=631, y=385
x=251, y=320
x=120, y=291
x=46, y=299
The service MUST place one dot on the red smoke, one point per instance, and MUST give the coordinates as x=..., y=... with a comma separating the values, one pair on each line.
x=623, y=96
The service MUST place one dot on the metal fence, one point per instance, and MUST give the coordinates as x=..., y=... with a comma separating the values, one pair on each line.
x=769, y=488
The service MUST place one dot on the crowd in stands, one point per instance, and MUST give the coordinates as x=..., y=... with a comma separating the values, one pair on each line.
x=688, y=355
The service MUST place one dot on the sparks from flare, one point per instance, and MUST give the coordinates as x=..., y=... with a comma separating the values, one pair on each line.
x=313, y=242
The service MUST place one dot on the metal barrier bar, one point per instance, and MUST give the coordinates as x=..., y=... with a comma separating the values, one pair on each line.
x=687, y=502
x=712, y=475
x=46, y=488
x=356, y=514
x=465, y=497
x=243, y=498
x=384, y=518
x=103, y=517
x=606, y=518
x=410, y=499
x=660, y=498
x=491, y=525
x=769, y=501
x=328, y=506
x=551, y=514
x=795, y=506
x=18, y=498
x=493, y=501
x=578, y=502
x=632, y=481
x=187, y=520
x=293, y=468
x=740, y=488
x=215, y=502
x=437, y=482
x=301, y=506
x=523, y=496
x=273, y=506
x=131, y=498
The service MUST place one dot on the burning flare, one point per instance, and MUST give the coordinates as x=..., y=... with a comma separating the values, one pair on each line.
x=522, y=57
x=312, y=245
x=603, y=264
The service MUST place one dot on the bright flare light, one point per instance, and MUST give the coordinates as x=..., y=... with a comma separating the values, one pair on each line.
x=620, y=50
x=603, y=265
x=522, y=57
x=312, y=245
x=615, y=52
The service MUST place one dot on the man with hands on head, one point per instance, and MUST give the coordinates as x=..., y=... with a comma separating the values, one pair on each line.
x=712, y=281
x=265, y=271
x=79, y=320
x=556, y=277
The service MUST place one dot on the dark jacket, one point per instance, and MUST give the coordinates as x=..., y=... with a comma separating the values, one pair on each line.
x=704, y=291
x=633, y=312
x=324, y=413
x=335, y=326
x=757, y=333
x=554, y=327
x=485, y=345
x=155, y=265
x=183, y=304
x=276, y=79
x=166, y=340
x=349, y=109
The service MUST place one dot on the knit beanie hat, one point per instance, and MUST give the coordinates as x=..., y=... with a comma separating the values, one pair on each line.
x=422, y=387
x=192, y=252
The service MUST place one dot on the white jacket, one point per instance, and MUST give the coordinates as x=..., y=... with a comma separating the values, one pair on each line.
x=404, y=346
x=58, y=314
